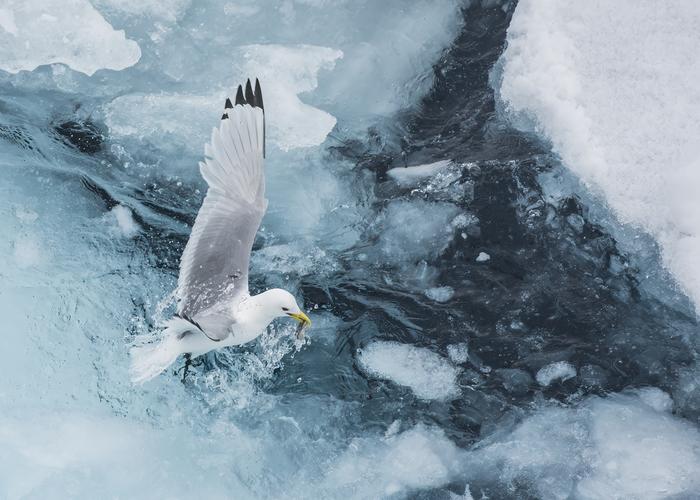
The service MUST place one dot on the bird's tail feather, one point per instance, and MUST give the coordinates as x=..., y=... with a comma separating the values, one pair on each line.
x=150, y=360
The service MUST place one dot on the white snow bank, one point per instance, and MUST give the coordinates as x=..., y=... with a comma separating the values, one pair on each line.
x=410, y=176
x=617, y=447
x=36, y=32
x=613, y=86
x=429, y=375
x=560, y=370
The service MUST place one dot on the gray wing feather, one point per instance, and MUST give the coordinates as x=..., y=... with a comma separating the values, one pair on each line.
x=214, y=265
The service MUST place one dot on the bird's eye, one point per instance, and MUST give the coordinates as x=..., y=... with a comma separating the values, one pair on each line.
x=285, y=309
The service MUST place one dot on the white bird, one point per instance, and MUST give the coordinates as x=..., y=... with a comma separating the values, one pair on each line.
x=215, y=309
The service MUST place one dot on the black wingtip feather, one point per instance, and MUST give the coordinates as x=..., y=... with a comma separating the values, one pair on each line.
x=258, y=95
x=253, y=98
x=239, y=96
x=249, y=96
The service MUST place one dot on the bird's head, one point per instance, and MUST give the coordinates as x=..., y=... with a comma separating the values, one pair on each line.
x=283, y=304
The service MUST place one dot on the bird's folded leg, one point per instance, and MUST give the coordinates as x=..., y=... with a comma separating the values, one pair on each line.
x=188, y=363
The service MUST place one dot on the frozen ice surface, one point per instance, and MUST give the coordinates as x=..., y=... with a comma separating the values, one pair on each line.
x=560, y=370
x=410, y=176
x=37, y=32
x=440, y=293
x=429, y=375
x=625, y=120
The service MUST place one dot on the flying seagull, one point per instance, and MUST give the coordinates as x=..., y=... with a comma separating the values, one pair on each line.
x=214, y=307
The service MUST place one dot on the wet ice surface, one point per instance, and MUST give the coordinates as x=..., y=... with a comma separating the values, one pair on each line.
x=421, y=376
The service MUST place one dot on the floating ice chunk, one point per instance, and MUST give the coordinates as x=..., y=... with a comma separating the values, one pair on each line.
x=429, y=375
x=125, y=221
x=617, y=447
x=414, y=230
x=641, y=453
x=458, y=353
x=410, y=176
x=36, y=32
x=560, y=370
x=440, y=293
x=419, y=458
x=284, y=72
x=483, y=257
x=626, y=120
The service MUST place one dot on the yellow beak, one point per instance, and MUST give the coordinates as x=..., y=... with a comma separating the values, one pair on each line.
x=301, y=318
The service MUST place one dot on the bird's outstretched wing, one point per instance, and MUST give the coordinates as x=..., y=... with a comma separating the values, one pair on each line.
x=214, y=265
